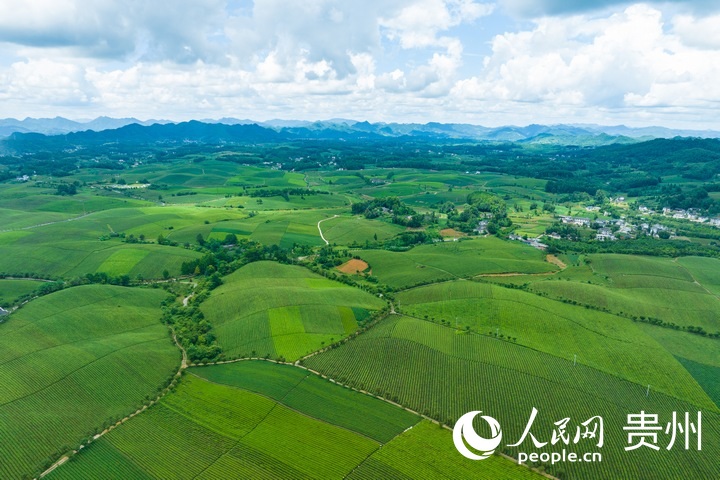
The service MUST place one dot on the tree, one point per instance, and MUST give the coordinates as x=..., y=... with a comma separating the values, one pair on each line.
x=200, y=239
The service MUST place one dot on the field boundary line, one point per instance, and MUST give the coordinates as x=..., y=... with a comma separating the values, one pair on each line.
x=365, y=392
x=113, y=352
x=281, y=402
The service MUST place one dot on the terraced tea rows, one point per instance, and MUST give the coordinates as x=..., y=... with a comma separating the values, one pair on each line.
x=280, y=310
x=73, y=361
x=432, y=369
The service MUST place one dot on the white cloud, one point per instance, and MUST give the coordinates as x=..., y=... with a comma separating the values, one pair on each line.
x=377, y=59
x=619, y=62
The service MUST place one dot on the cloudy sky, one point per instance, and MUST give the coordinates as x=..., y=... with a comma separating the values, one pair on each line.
x=489, y=63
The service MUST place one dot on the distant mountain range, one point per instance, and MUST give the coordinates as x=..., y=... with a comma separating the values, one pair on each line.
x=105, y=129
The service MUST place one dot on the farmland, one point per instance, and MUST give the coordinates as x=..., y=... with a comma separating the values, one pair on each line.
x=11, y=290
x=446, y=280
x=284, y=311
x=597, y=339
x=450, y=260
x=417, y=363
x=645, y=287
x=236, y=426
x=67, y=372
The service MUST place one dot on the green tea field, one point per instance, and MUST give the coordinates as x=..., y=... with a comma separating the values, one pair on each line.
x=276, y=310
x=73, y=362
x=234, y=420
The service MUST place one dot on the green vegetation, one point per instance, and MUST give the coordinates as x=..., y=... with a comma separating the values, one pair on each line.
x=302, y=391
x=418, y=363
x=231, y=227
x=69, y=371
x=222, y=429
x=12, y=290
x=450, y=260
x=425, y=451
x=598, y=339
x=281, y=311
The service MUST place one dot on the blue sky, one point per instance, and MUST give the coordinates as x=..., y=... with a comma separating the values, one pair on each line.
x=490, y=63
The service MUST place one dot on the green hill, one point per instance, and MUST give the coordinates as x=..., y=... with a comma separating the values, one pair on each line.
x=266, y=308
x=432, y=369
x=72, y=363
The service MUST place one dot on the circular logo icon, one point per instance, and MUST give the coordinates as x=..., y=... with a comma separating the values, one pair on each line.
x=464, y=432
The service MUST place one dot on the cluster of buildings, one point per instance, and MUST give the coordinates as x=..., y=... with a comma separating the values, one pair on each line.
x=613, y=229
x=533, y=242
x=691, y=215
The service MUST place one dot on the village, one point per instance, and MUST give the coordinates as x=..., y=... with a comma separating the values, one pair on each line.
x=623, y=228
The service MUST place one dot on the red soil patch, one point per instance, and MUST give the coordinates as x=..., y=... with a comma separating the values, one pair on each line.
x=353, y=266
x=451, y=232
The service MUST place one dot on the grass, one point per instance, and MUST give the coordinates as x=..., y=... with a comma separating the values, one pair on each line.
x=450, y=260
x=598, y=339
x=71, y=362
x=280, y=310
x=420, y=363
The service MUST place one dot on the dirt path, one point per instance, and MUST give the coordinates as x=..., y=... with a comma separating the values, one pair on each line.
x=48, y=223
x=556, y=261
x=164, y=392
x=320, y=230
x=183, y=365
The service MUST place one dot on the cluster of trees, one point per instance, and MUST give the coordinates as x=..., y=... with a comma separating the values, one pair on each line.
x=480, y=206
x=67, y=189
x=285, y=192
x=639, y=246
x=393, y=207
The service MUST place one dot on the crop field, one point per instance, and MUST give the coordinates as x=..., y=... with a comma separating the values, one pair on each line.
x=345, y=230
x=426, y=451
x=419, y=362
x=450, y=260
x=295, y=202
x=73, y=361
x=706, y=271
x=679, y=292
x=217, y=431
x=75, y=259
x=283, y=228
x=598, y=339
x=10, y=290
x=222, y=428
x=270, y=309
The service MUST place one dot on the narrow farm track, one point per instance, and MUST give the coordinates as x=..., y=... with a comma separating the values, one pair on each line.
x=165, y=391
x=47, y=223
x=365, y=392
x=320, y=229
